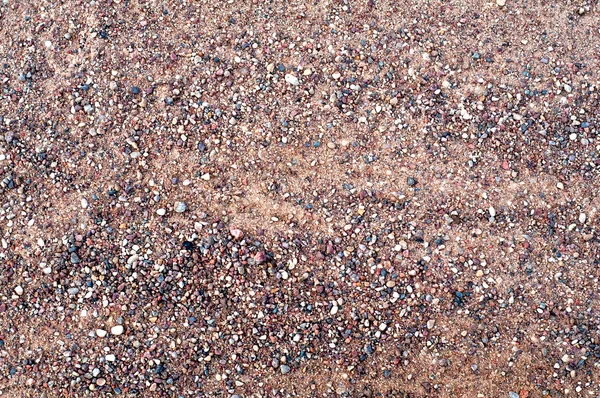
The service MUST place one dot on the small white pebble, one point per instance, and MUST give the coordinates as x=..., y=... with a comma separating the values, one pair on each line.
x=101, y=332
x=560, y=185
x=161, y=212
x=110, y=358
x=84, y=203
x=117, y=330
x=291, y=79
x=19, y=290
x=492, y=211
x=180, y=207
x=582, y=218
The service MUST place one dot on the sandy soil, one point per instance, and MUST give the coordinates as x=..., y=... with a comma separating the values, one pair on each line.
x=327, y=198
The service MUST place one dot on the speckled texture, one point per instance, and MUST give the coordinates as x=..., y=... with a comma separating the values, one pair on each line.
x=236, y=199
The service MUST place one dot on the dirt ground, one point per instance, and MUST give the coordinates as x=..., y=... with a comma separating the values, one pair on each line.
x=299, y=199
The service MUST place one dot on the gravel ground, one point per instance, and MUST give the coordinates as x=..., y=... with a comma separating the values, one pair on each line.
x=326, y=198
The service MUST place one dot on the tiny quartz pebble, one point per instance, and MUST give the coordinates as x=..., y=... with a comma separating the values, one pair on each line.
x=180, y=207
x=161, y=212
x=291, y=79
x=117, y=330
x=101, y=333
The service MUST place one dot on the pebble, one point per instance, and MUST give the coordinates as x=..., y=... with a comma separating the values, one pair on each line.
x=133, y=259
x=73, y=291
x=19, y=290
x=236, y=233
x=582, y=218
x=180, y=207
x=285, y=369
x=75, y=258
x=162, y=212
x=84, y=203
x=101, y=332
x=430, y=324
x=117, y=330
x=492, y=211
x=110, y=358
x=291, y=79
x=501, y=3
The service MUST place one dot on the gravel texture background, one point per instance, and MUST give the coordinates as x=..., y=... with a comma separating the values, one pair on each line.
x=326, y=198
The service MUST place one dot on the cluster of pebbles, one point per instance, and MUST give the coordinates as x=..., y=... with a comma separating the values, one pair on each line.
x=329, y=198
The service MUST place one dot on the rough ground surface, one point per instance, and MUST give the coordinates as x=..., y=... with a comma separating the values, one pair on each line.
x=325, y=198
